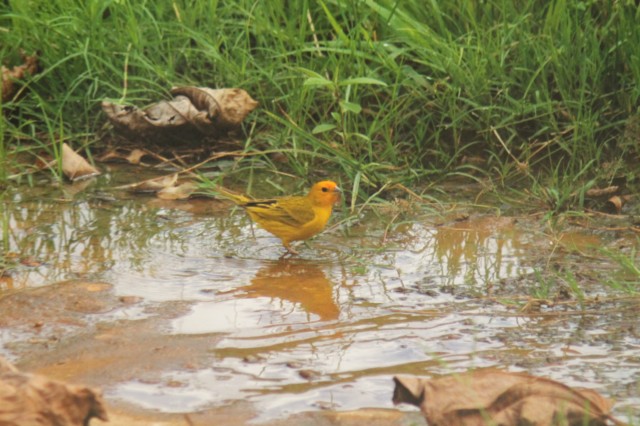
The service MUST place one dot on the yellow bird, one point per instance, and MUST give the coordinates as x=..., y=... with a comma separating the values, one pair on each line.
x=291, y=218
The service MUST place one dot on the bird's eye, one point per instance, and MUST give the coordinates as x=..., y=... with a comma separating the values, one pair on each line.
x=325, y=189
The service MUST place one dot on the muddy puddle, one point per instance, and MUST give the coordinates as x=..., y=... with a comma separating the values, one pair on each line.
x=183, y=313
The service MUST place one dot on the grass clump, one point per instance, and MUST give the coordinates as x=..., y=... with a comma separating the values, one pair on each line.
x=380, y=90
x=628, y=279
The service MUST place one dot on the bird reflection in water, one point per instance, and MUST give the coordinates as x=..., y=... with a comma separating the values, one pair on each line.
x=301, y=283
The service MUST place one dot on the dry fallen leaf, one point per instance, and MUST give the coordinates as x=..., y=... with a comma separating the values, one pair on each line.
x=224, y=107
x=135, y=156
x=132, y=157
x=179, y=192
x=35, y=400
x=481, y=398
x=601, y=192
x=615, y=203
x=111, y=155
x=194, y=112
x=10, y=76
x=74, y=166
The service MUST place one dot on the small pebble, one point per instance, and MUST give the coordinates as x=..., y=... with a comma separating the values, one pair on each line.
x=294, y=364
x=308, y=374
x=252, y=359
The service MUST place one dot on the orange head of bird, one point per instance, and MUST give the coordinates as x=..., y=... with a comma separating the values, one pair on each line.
x=325, y=193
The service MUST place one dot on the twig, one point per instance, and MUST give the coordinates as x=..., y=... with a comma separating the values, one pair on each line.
x=521, y=165
x=189, y=170
x=313, y=31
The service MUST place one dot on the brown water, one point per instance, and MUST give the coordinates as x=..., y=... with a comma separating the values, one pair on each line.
x=185, y=307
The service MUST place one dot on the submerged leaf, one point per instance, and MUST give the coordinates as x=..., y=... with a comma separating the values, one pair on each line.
x=132, y=157
x=480, y=398
x=74, y=166
x=153, y=185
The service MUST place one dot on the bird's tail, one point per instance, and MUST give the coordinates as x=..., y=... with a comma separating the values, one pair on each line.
x=231, y=195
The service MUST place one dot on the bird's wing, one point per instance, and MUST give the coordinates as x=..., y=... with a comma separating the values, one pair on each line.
x=294, y=211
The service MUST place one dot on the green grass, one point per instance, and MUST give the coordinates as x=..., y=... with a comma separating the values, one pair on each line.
x=628, y=279
x=372, y=91
x=3, y=148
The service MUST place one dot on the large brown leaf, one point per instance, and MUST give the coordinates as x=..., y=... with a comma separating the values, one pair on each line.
x=193, y=113
x=480, y=398
x=33, y=400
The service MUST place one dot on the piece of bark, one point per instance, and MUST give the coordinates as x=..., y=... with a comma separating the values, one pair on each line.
x=481, y=398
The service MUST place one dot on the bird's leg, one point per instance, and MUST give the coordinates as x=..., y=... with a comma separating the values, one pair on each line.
x=285, y=255
x=290, y=250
